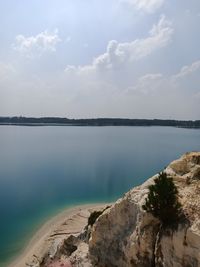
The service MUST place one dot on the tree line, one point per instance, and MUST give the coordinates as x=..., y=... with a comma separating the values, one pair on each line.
x=98, y=122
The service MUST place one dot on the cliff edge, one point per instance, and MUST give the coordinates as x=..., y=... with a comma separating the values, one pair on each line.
x=124, y=235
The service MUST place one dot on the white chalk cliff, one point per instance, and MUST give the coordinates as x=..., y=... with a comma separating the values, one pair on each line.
x=127, y=236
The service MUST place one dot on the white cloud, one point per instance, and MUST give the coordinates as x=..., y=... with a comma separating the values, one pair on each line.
x=108, y=72
x=187, y=80
x=99, y=87
x=118, y=54
x=149, y=6
x=39, y=43
x=156, y=93
x=180, y=81
x=147, y=84
x=184, y=84
x=82, y=93
x=187, y=70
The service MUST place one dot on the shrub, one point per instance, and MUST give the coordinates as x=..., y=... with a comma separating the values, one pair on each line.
x=162, y=200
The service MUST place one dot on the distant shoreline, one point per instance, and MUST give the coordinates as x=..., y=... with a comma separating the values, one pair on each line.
x=41, y=243
x=57, y=121
x=82, y=125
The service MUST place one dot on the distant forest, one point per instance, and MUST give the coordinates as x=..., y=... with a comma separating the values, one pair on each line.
x=30, y=121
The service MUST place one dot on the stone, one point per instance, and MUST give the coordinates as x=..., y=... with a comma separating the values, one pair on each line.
x=127, y=236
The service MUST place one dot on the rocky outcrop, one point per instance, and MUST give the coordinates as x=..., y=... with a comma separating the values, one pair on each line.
x=125, y=235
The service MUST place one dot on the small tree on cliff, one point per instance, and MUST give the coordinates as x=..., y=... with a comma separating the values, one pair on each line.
x=162, y=200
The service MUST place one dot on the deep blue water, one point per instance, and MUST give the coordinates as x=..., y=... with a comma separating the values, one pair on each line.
x=43, y=169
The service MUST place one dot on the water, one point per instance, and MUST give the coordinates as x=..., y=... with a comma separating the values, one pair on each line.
x=44, y=169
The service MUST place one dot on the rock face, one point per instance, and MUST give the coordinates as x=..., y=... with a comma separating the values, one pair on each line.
x=126, y=236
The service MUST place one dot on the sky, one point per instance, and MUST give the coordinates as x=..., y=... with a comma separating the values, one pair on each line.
x=100, y=58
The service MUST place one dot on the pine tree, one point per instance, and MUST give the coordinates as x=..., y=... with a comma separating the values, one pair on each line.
x=162, y=200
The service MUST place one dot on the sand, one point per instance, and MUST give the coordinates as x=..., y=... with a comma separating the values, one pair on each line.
x=46, y=239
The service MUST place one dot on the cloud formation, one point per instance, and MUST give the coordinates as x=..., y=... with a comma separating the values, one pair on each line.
x=187, y=70
x=185, y=82
x=118, y=54
x=111, y=70
x=149, y=6
x=147, y=84
x=137, y=64
x=39, y=43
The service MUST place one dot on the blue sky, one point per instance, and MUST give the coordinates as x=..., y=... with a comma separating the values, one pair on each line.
x=92, y=58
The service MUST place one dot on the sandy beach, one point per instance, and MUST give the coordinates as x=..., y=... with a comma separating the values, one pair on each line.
x=46, y=239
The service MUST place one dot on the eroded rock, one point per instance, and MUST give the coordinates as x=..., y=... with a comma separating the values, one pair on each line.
x=126, y=236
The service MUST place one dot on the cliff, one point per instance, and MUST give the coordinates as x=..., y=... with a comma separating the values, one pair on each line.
x=124, y=235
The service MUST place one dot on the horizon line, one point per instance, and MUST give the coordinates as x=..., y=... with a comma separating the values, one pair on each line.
x=92, y=118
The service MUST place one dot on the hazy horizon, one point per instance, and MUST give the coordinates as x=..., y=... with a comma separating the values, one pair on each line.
x=100, y=59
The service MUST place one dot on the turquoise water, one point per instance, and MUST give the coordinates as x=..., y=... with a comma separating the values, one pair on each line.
x=44, y=169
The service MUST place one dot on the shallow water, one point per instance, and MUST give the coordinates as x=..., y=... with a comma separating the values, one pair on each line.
x=44, y=169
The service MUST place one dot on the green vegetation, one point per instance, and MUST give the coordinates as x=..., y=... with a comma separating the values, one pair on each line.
x=162, y=200
x=97, y=122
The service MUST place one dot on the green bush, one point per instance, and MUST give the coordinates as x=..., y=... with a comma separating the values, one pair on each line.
x=162, y=200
